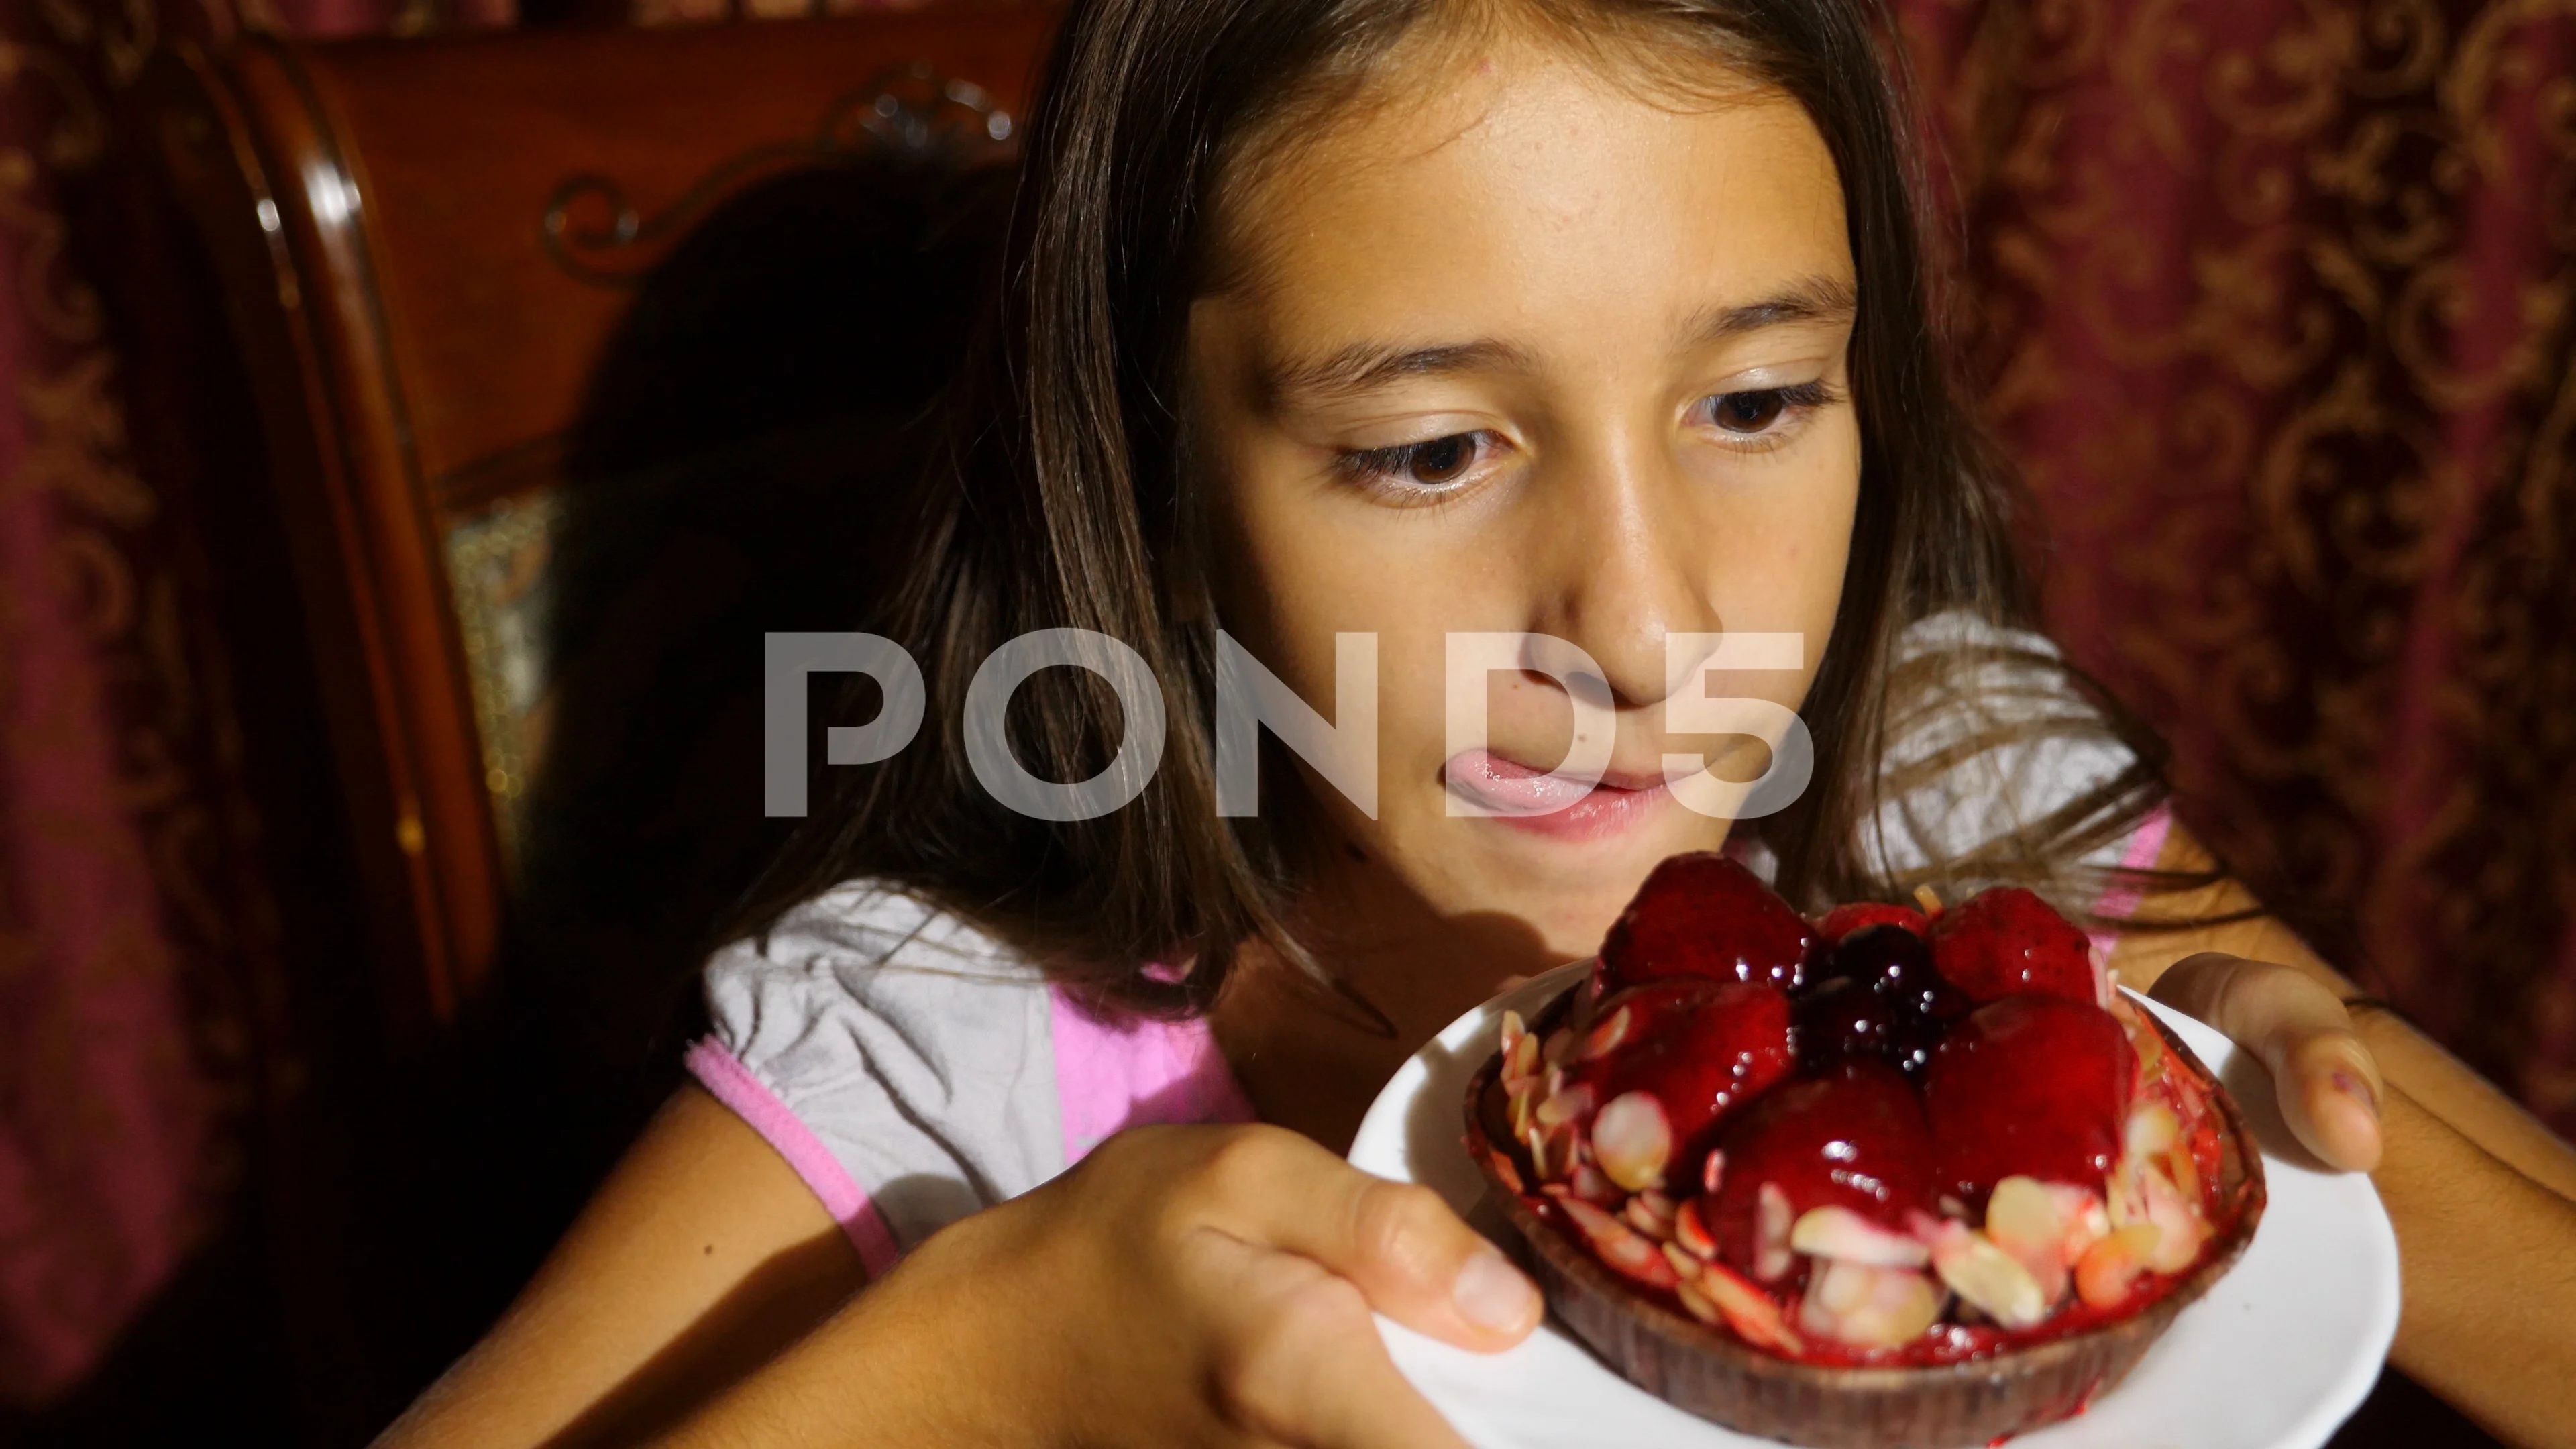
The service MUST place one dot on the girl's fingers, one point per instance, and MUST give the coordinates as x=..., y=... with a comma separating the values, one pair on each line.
x=2327, y=1081
x=1372, y=1406
x=1411, y=1258
x=1300, y=1361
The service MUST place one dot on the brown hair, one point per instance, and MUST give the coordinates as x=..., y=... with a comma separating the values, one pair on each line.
x=1060, y=499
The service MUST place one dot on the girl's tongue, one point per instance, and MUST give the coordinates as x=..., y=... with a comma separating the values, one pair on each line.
x=1511, y=787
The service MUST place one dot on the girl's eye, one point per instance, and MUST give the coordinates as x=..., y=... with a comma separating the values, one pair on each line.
x=1442, y=459
x=1763, y=412
x=1748, y=412
x=1431, y=465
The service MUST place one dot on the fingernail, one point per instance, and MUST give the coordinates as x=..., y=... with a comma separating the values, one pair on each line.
x=2358, y=1088
x=1494, y=1295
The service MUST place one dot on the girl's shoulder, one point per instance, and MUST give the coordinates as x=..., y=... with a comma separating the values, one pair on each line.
x=1969, y=659
x=1992, y=743
x=873, y=940
x=914, y=1068
x=870, y=973
x=895, y=1054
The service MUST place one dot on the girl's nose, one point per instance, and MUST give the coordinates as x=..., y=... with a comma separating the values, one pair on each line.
x=1621, y=564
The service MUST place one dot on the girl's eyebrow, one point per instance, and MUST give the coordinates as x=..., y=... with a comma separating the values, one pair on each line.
x=1365, y=366
x=1806, y=300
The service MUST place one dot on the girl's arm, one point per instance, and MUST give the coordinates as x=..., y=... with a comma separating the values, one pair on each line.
x=1183, y=1286
x=2483, y=1196
x=700, y=1257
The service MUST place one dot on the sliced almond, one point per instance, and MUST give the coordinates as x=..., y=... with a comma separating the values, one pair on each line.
x=2087, y=1222
x=1571, y=1104
x=2152, y=1128
x=1753, y=1314
x=2186, y=1171
x=1683, y=1263
x=1609, y=1036
x=1846, y=1236
x=1551, y=1150
x=2102, y=1279
x=2023, y=1218
x=1773, y=1220
x=1559, y=1043
x=1646, y=1220
x=1594, y=1186
x=1989, y=1278
x=2181, y=1230
x=1633, y=1140
x=1621, y=1246
x=1692, y=1233
x=1868, y=1307
x=1699, y=1306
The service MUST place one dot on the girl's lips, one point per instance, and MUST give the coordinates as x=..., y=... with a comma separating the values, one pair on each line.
x=1551, y=805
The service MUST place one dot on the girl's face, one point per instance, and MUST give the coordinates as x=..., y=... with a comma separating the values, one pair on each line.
x=1531, y=349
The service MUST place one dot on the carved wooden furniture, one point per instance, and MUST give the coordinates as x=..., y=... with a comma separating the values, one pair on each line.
x=422, y=245
x=365, y=284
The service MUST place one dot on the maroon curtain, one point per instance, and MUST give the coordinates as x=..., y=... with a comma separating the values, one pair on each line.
x=2273, y=298
x=132, y=975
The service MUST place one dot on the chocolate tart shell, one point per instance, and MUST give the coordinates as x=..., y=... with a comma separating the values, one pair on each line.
x=1711, y=1373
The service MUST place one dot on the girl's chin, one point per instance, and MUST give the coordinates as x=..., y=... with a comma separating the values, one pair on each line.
x=1570, y=884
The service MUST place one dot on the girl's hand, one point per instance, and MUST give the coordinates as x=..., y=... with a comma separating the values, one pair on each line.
x=1207, y=1286
x=2328, y=1082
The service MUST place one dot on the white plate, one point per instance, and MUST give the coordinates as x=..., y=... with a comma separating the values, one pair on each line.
x=2281, y=1351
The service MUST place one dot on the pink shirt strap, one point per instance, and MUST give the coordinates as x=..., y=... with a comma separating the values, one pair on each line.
x=732, y=1083
x=1113, y=1074
x=2146, y=846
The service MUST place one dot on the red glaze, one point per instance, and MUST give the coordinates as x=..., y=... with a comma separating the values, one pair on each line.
x=1704, y=915
x=1853, y=916
x=2029, y=1084
x=1853, y=1137
x=1703, y=1049
x=2005, y=941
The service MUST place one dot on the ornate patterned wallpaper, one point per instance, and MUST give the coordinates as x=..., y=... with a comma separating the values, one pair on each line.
x=2274, y=302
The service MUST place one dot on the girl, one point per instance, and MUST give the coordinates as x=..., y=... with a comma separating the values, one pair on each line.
x=1588, y=322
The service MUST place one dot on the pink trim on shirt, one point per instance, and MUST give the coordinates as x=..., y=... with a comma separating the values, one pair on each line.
x=1133, y=1072
x=730, y=1082
x=2145, y=846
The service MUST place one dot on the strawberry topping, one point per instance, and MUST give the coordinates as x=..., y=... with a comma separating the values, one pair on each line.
x=1854, y=1138
x=2029, y=1085
x=1702, y=1048
x=1705, y=915
x=1844, y=920
x=2007, y=940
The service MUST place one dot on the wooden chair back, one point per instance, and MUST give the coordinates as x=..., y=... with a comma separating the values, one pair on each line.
x=421, y=246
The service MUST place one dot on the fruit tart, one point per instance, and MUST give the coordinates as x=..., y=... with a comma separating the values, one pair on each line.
x=1896, y=1176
